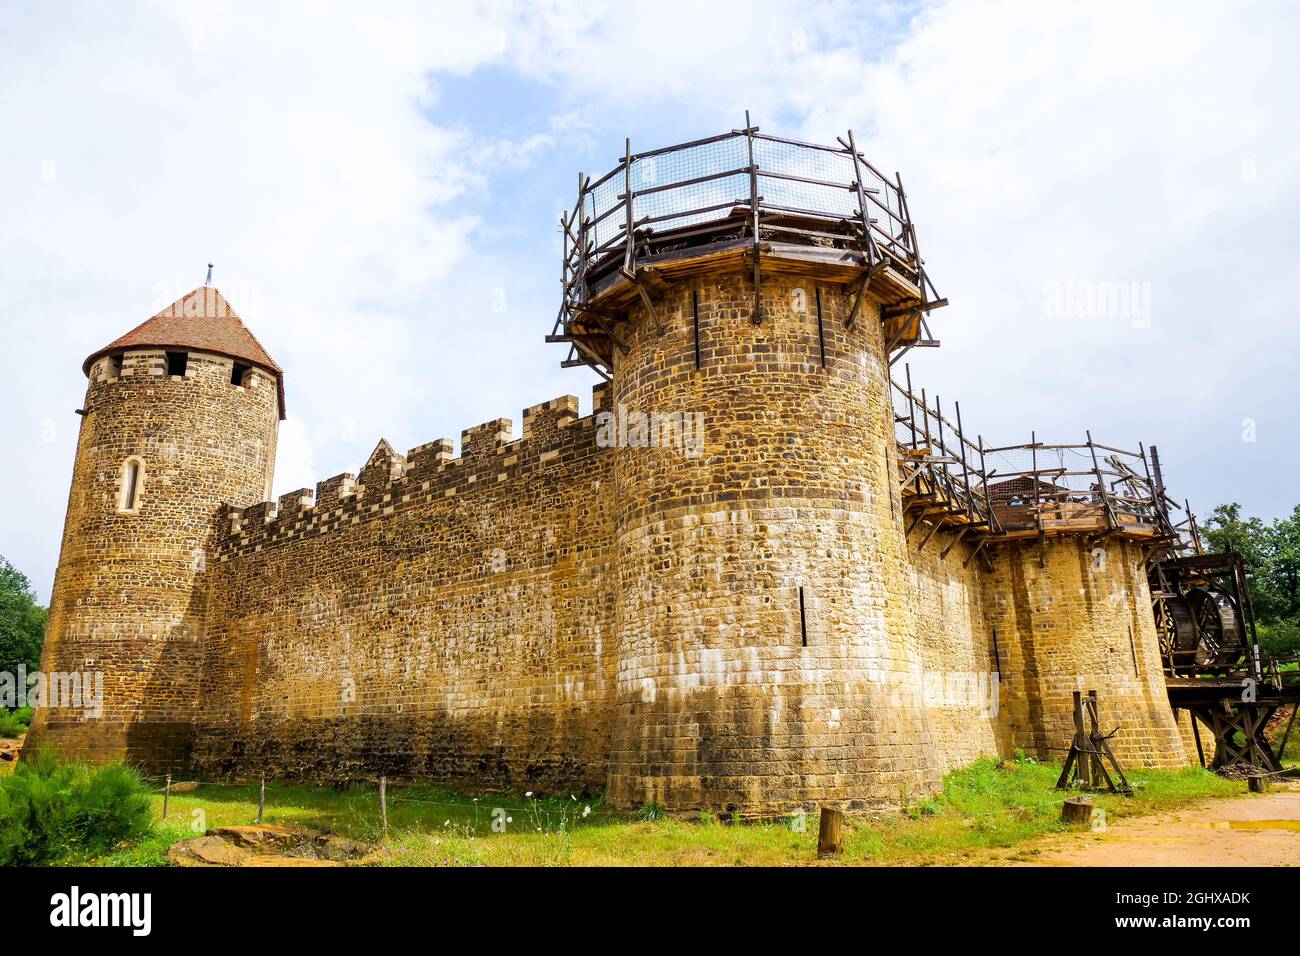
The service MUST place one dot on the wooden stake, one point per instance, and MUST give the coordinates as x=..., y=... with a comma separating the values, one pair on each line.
x=1196, y=732
x=1076, y=810
x=383, y=803
x=757, y=317
x=1083, y=766
x=830, y=832
x=261, y=800
x=167, y=792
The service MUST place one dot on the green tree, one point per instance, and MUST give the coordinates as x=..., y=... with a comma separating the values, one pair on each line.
x=22, y=621
x=1284, y=571
x=1225, y=528
x=1272, y=553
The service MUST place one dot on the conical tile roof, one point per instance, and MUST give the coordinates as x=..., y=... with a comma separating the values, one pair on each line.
x=202, y=321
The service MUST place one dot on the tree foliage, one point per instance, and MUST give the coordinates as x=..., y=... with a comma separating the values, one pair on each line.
x=22, y=621
x=1272, y=553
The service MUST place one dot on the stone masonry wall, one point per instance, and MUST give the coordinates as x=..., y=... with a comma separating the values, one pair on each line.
x=439, y=618
x=962, y=681
x=738, y=625
x=1080, y=621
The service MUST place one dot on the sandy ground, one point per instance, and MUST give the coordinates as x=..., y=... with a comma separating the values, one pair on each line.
x=9, y=749
x=1252, y=830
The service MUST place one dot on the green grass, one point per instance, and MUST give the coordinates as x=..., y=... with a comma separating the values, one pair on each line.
x=1291, y=756
x=986, y=806
x=15, y=723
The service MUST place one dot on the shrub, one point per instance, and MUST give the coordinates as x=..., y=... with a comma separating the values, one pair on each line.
x=15, y=724
x=1281, y=639
x=50, y=811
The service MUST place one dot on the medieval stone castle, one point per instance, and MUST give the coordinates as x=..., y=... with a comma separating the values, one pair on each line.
x=807, y=609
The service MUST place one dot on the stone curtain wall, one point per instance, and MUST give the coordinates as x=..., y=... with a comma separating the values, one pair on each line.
x=963, y=682
x=1081, y=622
x=446, y=619
x=574, y=610
x=126, y=601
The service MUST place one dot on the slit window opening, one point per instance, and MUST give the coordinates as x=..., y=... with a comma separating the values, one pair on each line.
x=237, y=373
x=130, y=494
x=803, y=620
x=177, y=362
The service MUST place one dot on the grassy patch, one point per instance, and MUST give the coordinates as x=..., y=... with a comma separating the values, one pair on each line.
x=987, y=805
x=14, y=723
x=994, y=805
x=1291, y=756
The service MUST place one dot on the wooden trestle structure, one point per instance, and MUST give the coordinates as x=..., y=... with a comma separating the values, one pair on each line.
x=1031, y=491
x=1236, y=708
x=1214, y=669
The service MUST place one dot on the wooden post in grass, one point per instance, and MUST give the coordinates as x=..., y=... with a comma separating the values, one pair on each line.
x=261, y=800
x=830, y=832
x=383, y=802
x=1257, y=782
x=167, y=792
x=1076, y=810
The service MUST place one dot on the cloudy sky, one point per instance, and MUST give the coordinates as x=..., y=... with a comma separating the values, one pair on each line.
x=378, y=185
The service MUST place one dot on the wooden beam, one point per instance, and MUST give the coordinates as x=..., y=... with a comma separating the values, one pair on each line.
x=650, y=307
x=894, y=311
x=955, y=539
x=938, y=523
x=862, y=291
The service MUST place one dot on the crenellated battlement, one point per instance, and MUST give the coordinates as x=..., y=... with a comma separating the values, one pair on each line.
x=150, y=366
x=553, y=432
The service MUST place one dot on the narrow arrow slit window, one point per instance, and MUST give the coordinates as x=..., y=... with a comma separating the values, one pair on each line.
x=129, y=496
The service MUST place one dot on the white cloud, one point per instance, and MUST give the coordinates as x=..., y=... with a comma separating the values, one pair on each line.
x=293, y=150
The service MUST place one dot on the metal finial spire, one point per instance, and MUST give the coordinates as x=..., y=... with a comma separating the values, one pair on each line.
x=208, y=280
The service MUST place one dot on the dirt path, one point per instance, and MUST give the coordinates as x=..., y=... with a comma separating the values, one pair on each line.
x=1253, y=830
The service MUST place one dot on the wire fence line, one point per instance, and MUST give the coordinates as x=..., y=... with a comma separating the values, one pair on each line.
x=575, y=810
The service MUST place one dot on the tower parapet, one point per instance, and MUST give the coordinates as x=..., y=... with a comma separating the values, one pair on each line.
x=742, y=201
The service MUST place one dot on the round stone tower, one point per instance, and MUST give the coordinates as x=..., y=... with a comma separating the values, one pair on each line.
x=1072, y=616
x=764, y=663
x=181, y=416
x=763, y=658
